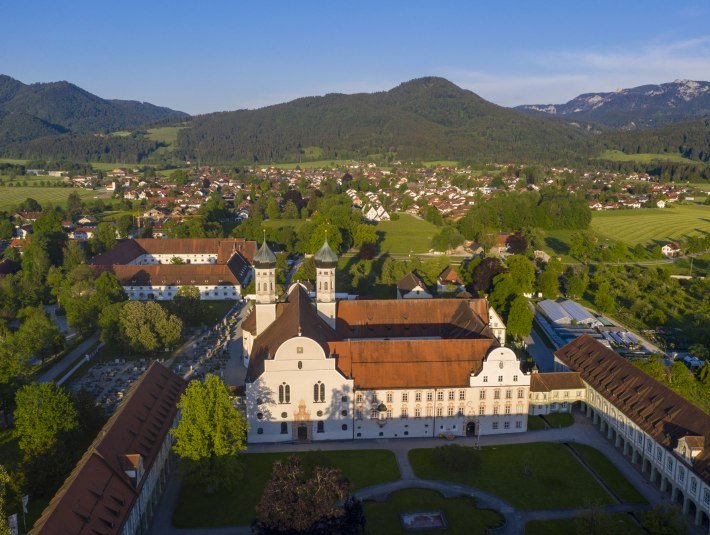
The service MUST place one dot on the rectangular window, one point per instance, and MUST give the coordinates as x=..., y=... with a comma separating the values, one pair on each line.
x=482, y=394
x=417, y=396
x=515, y=378
x=521, y=393
x=495, y=425
x=495, y=410
x=389, y=397
x=681, y=475
x=359, y=398
x=429, y=412
x=706, y=498
x=500, y=378
x=506, y=425
x=485, y=378
x=439, y=411
x=389, y=414
x=440, y=396
x=566, y=394
x=693, y=485
x=496, y=394
x=462, y=395
x=659, y=455
x=405, y=397
x=460, y=411
x=518, y=425
x=417, y=412
x=508, y=393
x=405, y=412
x=507, y=409
x=450, y=411
x=429, y=396
x=452, y=394
x=669, y=465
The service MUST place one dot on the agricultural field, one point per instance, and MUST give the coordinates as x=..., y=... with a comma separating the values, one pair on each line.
x=165, y=134
x=650, y=226
x=407, y=235
x=309, y=165
x=618, y=156
x=10, y=197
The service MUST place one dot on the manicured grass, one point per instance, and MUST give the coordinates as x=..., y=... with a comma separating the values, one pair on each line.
x=535, y=423
x=609, y=473
x=280, y=223
x=618, y=156
x=652, y=225
x=10, y=197
x=559, y=419
x=196, y=509
x=619, y=523
x=461, y=514
x=407, y=234
x=214, y=311
x=529, y=476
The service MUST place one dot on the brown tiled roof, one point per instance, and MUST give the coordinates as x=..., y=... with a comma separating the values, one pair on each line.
x=224, y=248
x=410, y=281
x=377, y=364
x=545, y=382
x=173, y=274
x=397, y=318
x=97, y=497
x=656, y=409
x=450, y=276
x=249, y=323
x=295, y=316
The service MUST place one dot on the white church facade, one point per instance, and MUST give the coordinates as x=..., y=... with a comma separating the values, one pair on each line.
x=334, y=370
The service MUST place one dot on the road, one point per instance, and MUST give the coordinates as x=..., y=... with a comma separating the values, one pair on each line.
x=56, y=371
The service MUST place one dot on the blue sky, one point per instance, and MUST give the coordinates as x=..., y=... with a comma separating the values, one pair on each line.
x=209, y=55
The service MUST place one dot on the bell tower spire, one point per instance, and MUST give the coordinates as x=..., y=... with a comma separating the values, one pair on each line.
x=326, y=261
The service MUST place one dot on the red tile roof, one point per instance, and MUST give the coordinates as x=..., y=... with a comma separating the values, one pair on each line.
x=97, y=497
x=545, y=382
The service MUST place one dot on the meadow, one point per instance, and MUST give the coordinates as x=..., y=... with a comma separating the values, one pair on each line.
x=408, y=234
x=618, y=156
x=10, y=197
x=650, y=226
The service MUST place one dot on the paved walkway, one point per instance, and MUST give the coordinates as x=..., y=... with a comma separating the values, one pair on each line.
x=58, y=369
x=582, y=432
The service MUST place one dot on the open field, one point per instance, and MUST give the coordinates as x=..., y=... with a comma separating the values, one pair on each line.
x=407, y=235
x=652, y=225
x=620, y=523
x=309, y=165
x=227, y=508
x=165, y=134
x=461, y=514
x=13, y=160
x=448, y=163
x=618, y=156
x=10, y=197
x=529, y=476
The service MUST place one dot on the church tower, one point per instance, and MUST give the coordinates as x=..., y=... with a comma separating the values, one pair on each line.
x=326, y=261
x=265, y=279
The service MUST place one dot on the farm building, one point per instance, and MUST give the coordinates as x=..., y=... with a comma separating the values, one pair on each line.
x=567, y=312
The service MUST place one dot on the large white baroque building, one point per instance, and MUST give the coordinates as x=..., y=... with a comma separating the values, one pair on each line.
x=333, y=369
x=146, y=268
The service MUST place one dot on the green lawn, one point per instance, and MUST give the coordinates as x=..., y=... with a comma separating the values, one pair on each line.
x=196, y=509
x=609, y=473
x=619, y=523
x=10, y=197
x=214, y=311
x=652, y=225
x=309, y=165
x=461, y=514
x=407, y=234
x=559, y=419
x=529, y=476
x=165, y=134
x=618, y=156
x=535, y=423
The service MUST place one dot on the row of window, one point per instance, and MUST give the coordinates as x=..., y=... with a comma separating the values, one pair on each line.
x=556, y=394
x=318, y=394
x=430, y=411
x=500, y=378
x=320, y=428
x=450, y=395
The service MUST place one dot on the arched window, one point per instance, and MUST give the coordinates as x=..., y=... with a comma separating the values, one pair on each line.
x=321, y=427
x=287, y=393
x=284, y=393
x=281, y=394
x=315, y=393
x=325, y=285
x=322, y=392
x=284, y=428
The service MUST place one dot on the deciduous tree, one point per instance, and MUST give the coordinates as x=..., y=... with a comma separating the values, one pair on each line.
x=43, y=411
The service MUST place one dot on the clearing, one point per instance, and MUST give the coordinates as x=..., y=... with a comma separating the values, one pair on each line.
x=11, y=196
x=407, y=235
x=618, y=156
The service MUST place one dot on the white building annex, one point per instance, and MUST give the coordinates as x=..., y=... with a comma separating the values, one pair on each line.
x=146, y=268
x=330, y=369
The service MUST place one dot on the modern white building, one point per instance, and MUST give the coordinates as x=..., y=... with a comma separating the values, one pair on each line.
x=328, y=369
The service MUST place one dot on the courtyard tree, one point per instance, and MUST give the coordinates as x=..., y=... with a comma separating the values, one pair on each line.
x=548, y=284
x=312, y=498
x=187, y=304
x=211, y=434
x=43, y=412
x=520, y=318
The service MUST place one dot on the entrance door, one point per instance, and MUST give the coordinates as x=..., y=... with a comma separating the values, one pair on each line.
x=471, y=429
x=302, y=432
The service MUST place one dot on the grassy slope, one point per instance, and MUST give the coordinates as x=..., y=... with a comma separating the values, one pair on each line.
x=461, y=514
x=196, y=509
x=609, y=473
x=651, y=225
x=408, y=234
x=529, y=476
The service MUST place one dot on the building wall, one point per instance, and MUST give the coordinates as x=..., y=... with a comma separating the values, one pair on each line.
x=167, y=293
x=150, y=258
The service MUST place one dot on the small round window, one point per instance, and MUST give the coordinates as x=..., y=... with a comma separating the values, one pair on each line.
x=260, y=416
x=284, y=415
x=320, y=413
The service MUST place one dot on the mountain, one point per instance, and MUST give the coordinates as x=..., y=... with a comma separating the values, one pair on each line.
x=638, y=107
x=29, y=111
x=425, y=118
